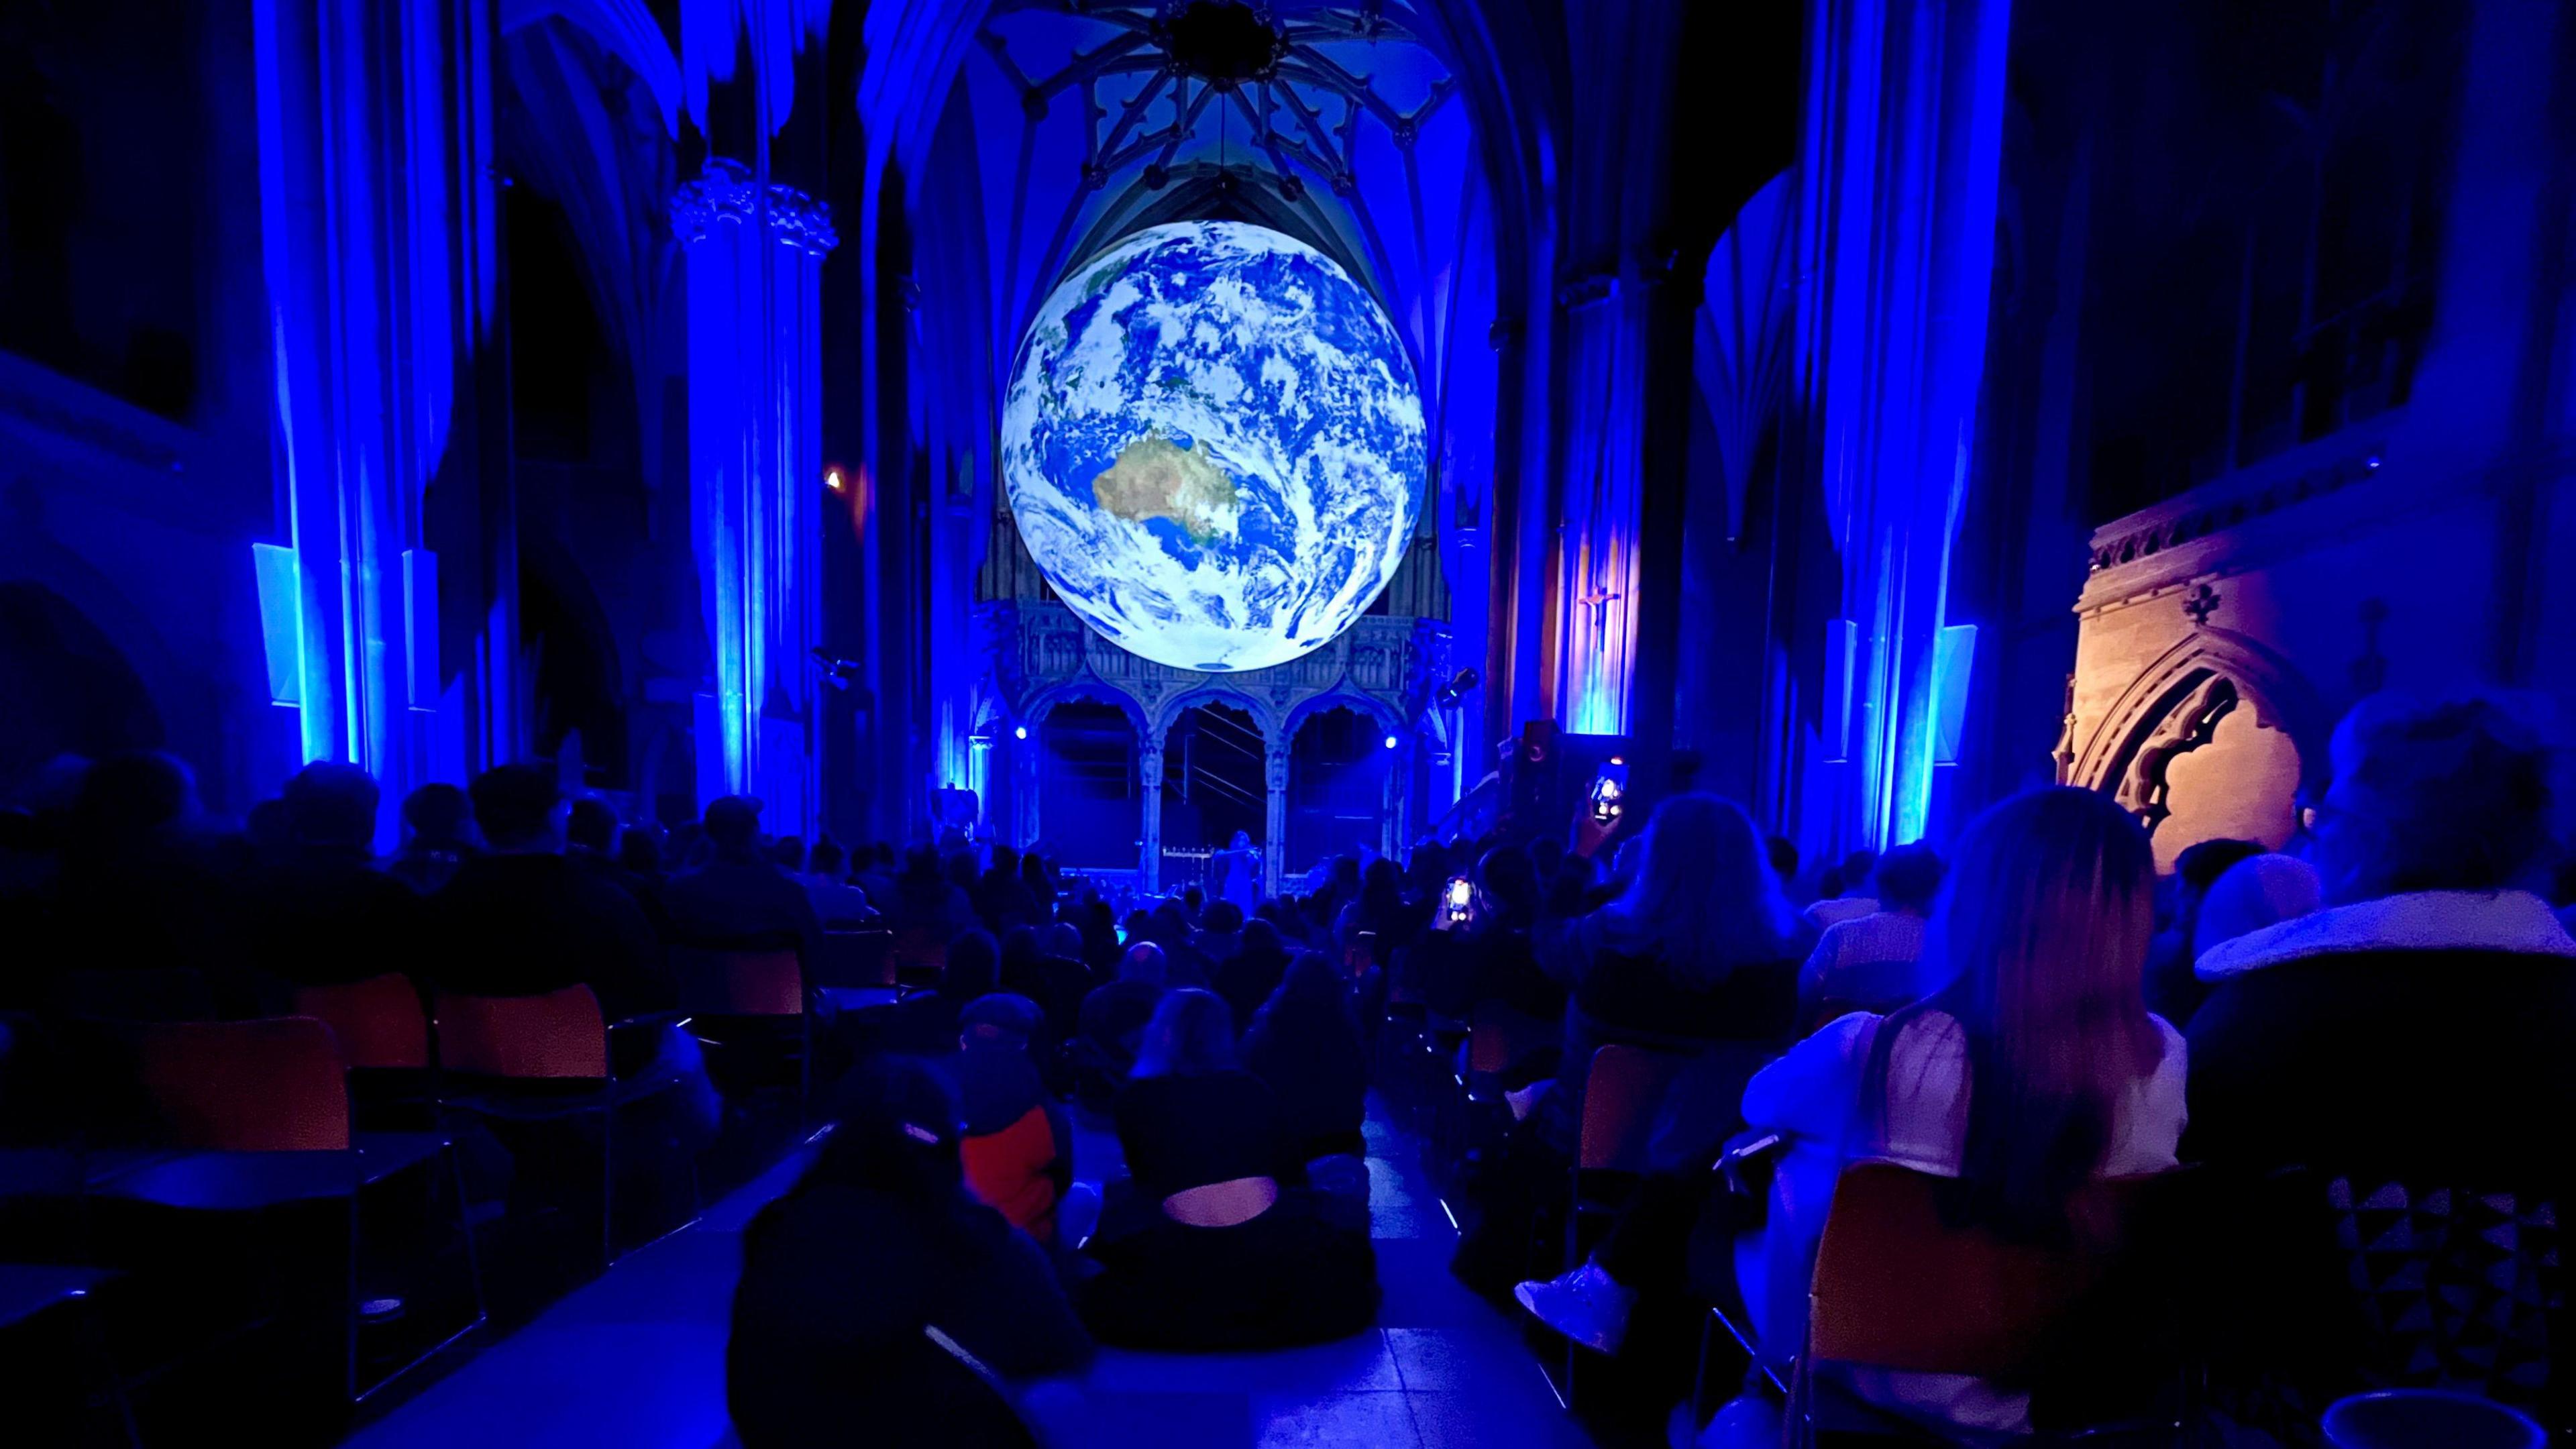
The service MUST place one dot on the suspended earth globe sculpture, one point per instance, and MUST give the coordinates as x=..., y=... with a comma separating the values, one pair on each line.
x=1214, y=446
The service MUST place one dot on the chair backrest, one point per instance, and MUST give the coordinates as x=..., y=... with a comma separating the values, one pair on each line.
x=856, y=958
x=378, y=1021
x=2453, y=1288
x=559, y=1034
x=272, y=1085
x=1897, y=1288
x=1621, y=1098
x=740, y=983
x=139, y=993
x=920, y=946
x=1489, y=1046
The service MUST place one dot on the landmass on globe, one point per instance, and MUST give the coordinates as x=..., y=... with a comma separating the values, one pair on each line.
x=1157, y=478
x=1214, y=446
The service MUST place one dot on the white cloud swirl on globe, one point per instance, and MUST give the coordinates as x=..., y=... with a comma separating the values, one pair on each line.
x=1214, y=446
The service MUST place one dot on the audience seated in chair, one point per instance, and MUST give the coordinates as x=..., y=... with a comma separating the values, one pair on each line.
x=2418, y=1022
x=2035, y=1071
x=325, y=916
x=876, y=1247
x=1693, y=953
x=838, y=904
x=521, y=920
x=2173, y=992
x=1211, y=1251
x=438, y=836
x=1867, y=963
x=741, y=897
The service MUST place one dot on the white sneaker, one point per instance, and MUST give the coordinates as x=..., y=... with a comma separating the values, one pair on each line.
x=1587, y=1305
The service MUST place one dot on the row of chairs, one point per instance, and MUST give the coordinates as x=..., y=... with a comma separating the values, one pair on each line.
x=361, y=1088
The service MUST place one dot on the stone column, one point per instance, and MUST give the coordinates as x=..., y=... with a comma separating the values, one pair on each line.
x=1274, y=849
x=377, y=225
x=1149, y=850
x=1898, y=172
x=754, y=254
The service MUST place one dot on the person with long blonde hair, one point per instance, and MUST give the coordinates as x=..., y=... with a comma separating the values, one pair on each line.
x=2036, y=1069
x=1694, y=952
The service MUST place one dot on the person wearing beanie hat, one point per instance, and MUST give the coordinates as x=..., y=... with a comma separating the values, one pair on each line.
x=1018, y=1150
x=877, y=1248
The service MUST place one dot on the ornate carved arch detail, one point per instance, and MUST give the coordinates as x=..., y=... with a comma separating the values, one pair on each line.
x=1167, y=712
x=2175, y=706
x=1387, y=717
x=1044, y=702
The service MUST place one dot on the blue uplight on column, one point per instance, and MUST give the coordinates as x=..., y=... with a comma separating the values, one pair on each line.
x=754, y=254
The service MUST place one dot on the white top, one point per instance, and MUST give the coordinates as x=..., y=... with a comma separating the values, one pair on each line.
x=1812, y=1097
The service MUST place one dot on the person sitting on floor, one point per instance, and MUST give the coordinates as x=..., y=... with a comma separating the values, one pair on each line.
x=1246, y=978
x=1867, y=963
x=1018, y=1150
x=1306, y=1045
x=1112, y=1024
x=856, y=1283
x=1211, y=1251
x=925, y=1023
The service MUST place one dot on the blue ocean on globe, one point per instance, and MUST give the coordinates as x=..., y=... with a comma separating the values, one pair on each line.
x=1214, y=446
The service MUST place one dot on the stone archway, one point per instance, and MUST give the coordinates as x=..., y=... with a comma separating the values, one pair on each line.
x=2213, y=738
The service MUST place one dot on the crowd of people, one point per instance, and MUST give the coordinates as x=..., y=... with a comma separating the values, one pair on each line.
x=2385, y=1000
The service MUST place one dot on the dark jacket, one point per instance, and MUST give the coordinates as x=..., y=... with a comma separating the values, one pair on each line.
x=523, y=925
x=330, y=919
x=1303, y=1272
x=741, y=903
x=2425, y=1035
x=838, y=1284
x=1311, y=1055
x=1621, y=994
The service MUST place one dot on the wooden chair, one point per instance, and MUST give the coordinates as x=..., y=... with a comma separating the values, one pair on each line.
x=379, y=1021
x=745, y=1005
x=855, y=960
x=1898, y=1288
x=538, y=1060
x=1622, y=1096
x=384, y=1037
x=259, y=1112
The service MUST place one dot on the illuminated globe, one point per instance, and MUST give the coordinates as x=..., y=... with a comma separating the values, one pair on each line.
x=1213, y=446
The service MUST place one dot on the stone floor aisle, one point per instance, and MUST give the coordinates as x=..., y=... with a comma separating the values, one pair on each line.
x=635, y=1360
